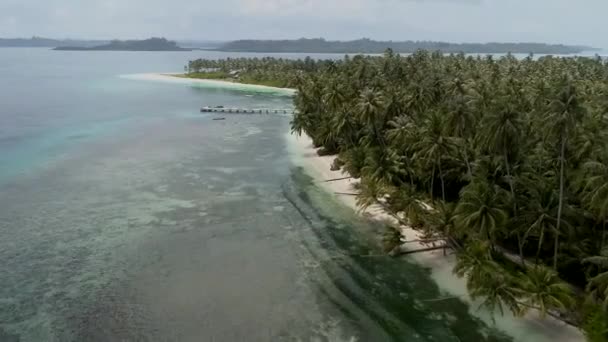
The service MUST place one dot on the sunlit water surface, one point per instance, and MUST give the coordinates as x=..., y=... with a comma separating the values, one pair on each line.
x=126, y=215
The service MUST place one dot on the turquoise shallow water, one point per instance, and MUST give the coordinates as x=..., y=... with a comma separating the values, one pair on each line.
x=126, y=215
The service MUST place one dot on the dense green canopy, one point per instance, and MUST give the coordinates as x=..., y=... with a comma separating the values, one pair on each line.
x=320, y=45
x=152, y=44
x=511, y=155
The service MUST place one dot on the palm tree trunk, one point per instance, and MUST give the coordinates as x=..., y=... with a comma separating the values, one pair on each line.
x=349, y=133
x=603, y=235
x=548, y=313
x=510, y=181
x=379, y=137
x=441, y=177
x=541, y=238
x=561, y=202
x=466, y=160
x=520, y=243
x=432, y=183
x=489, y=237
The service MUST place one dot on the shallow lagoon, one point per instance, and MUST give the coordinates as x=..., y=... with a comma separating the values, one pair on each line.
x=127, y=215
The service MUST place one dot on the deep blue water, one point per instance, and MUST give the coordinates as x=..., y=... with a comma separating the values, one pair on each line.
x=126, y=215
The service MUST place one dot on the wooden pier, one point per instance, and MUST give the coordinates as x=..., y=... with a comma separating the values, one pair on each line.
x=220, y=109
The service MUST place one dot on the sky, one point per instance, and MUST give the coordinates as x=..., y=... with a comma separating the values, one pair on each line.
x=549, y=21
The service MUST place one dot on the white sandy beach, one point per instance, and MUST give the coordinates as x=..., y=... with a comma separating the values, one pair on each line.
x=168, y=77
x=530, y=328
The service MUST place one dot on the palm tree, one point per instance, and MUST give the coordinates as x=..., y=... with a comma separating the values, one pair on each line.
x=301, y=123
x=502, y=135
x=369, y=192
x=442, y=219
x=497, y=291
x=598, y=285
x=383, y=166
x=485, y=278
x=461, y=119
x=334, y=96
x=542, y=289
x=370, y=107
x=400, y=134
x=563, y=117
x=354, y=160
x=539, y=215
x=434, y=146
x=344, y=127
x=474, y=260
x=406, y=200
x=595, y=325
x=401, y=130
x=481, y=208
x=596, y=190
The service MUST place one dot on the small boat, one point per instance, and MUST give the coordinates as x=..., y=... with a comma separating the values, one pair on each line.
x=216, y=119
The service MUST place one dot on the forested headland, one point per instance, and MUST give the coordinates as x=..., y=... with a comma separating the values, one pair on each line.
x=47, y=42
x=268, y=71
x=511, y=157
x=319, y=45
x=303, y=45
x=152, y=44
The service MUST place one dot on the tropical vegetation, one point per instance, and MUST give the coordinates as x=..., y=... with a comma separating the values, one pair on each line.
x=505, y=158
x=152, y=44
x=275, y=72
x=365, y=45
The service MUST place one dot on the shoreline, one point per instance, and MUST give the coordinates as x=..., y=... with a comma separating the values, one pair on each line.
x=531, y=327
x=210, y=83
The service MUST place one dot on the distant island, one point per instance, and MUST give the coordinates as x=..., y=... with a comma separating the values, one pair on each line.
x=320, y=45
x=303, y=45
x=152, y=44
x=47, y=42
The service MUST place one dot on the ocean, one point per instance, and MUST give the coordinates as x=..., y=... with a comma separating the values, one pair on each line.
x=127, y=215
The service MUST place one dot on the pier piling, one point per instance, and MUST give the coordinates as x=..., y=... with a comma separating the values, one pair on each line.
x=222, y=109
